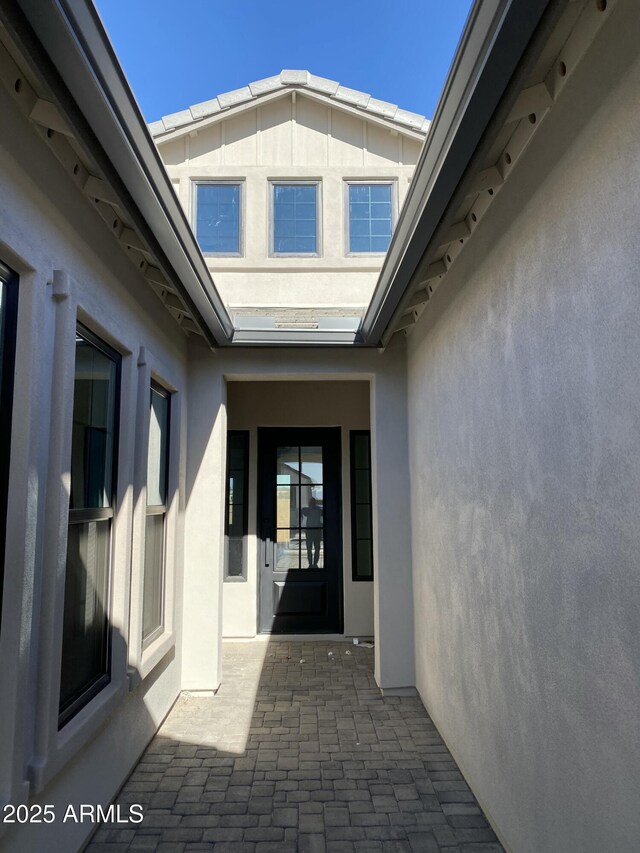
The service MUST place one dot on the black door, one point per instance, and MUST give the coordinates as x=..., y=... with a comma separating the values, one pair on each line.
x=299, y=523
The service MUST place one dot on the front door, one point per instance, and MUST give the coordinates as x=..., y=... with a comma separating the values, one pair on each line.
x=299, y=524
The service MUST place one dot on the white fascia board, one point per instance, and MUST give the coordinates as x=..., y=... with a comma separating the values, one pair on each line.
x=364, y=115
x=494, y=41
x=222, y=115
x=302, y=91
x=97, y=103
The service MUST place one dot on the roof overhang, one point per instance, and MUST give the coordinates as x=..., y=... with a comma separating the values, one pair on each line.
x=484, y=90
x=289, y=84
x=70, y=51
x=163, y=136
x=491, y=49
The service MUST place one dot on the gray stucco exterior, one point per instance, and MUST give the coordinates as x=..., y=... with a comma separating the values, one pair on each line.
x=524, y=420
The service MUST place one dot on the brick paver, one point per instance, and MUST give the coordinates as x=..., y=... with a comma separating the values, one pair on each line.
x=298, y=752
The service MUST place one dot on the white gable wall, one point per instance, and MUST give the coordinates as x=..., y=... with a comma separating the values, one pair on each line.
x=281, y=140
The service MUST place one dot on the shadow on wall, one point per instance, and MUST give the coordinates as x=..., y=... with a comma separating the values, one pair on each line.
x=298, y=748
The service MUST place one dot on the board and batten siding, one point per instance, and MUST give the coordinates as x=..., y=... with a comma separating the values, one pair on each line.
x=293, y=139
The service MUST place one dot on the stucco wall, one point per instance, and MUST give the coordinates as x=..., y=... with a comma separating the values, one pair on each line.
x=303, y=141
x=47, y=225
x=254, y=404
x=524, y=414
x=385, y=376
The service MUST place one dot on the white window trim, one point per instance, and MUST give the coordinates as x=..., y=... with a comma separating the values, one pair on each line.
x=236, y=182
x=145, y=656
x=20, y=548
x=279, y=182
x=54, y=747
x=393, y=183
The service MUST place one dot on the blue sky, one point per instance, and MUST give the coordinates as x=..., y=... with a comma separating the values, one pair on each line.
x=179, y=52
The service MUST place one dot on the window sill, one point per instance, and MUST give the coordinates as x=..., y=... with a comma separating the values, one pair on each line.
x=295, y=255
x=222, y=254
x=152, y=655
x=76, y=734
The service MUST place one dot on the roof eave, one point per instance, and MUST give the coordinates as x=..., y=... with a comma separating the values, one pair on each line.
x=97, y=101
x=196, y=125
x=493, y=43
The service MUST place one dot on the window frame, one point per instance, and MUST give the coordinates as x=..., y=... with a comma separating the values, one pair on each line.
x=353, y=435
x=8, y=337
x=245, y=434
x=142, y=660
x=305, y=182
x=159, y=509
x=80, y=516
x=236, y=182
x=348, y=182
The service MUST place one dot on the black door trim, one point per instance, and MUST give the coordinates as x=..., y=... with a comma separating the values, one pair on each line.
x=331, y=440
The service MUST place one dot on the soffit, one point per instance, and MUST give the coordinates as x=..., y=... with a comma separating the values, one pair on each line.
x=35, y=87
x=559, y=47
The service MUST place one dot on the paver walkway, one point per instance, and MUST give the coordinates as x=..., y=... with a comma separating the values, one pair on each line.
x=299, y=753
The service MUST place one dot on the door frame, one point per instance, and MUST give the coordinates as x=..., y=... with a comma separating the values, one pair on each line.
x=310, y=430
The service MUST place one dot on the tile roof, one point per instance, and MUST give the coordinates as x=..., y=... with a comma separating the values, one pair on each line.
x=290, y=78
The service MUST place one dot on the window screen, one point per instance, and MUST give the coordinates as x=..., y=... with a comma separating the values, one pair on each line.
x=295, y=219
x=218, y=218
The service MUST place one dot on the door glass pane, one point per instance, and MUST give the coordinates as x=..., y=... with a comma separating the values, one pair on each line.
x=364, y=556
x=287, y=549
x=157, y=453
x=311, y=511
x=153, y=574
x=311, y=464
x=363, y=520
x=287, y=506
x=93, y=427
x=85, y=630
x=362, y=481
x=288, y=466
x=236, y=487
x=312, y=548
x=361, y=450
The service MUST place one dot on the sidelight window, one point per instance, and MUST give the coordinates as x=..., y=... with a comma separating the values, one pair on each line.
x=237, y=508
x=361, y=515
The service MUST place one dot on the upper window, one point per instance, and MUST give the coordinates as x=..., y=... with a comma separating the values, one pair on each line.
x=295, y=219
x=86, y=646
x=370, y=217
x=218, y=217
x=155, y=526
